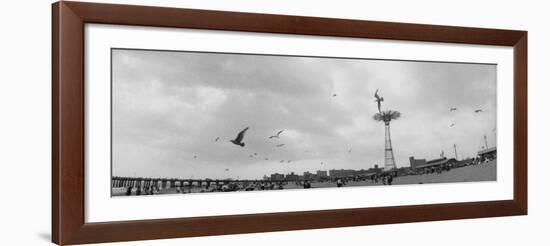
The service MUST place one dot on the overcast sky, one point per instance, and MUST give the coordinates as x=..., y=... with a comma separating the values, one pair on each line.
x=169, y=107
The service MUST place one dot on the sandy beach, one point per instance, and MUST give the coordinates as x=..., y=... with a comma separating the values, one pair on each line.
x=473, y=173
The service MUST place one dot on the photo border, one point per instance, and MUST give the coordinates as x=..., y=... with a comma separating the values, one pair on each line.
x=68, y=122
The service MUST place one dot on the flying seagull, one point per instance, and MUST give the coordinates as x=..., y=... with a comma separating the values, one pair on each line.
x=279, y=145
x=276, y=135
x=239, y=139
x=333, y=95
x=218, y=138
x=453, y=124
x=378, y=100
x=453, y=109
x=478, y=110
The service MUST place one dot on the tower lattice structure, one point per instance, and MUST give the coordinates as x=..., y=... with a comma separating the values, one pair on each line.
x=389, y=160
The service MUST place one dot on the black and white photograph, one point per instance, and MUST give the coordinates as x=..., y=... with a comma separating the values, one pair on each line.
x=187, y=122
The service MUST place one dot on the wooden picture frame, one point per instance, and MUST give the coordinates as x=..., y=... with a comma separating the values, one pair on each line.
x=68, y=122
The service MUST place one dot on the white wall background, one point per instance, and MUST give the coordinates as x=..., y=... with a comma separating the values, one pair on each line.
x=25, y=141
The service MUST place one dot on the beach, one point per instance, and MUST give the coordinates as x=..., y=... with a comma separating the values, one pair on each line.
x=471, y=173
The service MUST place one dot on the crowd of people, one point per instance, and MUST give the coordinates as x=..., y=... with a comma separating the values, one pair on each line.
x=385, y=178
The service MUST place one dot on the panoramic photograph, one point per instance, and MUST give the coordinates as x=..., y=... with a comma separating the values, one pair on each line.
x=187, y=122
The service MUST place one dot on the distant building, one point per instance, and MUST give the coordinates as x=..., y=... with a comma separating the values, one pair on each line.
x=340, y=173
x=309, y=176
x=416, y=162
x=490, y=153
x=321, y=174
x=277, y=176
x=440, y=162
x=292, y=177
x=374, y=169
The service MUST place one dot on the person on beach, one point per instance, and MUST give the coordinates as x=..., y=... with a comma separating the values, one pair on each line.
x=129, y=191
x=339, y=183
x=307, y=185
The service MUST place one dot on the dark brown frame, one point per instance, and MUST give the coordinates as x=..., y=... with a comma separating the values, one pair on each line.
x=68, y=19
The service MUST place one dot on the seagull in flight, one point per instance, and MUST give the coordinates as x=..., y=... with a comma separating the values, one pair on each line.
x=453, y=109
x=276, y=135
x=216, y=140
x=239, y=139
x=453, y=124
x=333, y=95
x=279, y=145
x=478, y=110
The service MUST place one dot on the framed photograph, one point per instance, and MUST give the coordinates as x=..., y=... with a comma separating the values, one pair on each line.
x=174, y=122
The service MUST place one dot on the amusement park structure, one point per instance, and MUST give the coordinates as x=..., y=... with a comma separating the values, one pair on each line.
x=386, y=116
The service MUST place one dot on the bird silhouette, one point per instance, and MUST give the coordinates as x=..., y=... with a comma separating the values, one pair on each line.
x=276, y=135
x=239, y=139
x=216, y=140
x=279, y=145
x=478, y=110
x=333, y=95
x=453, y=109
x=453, y=124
